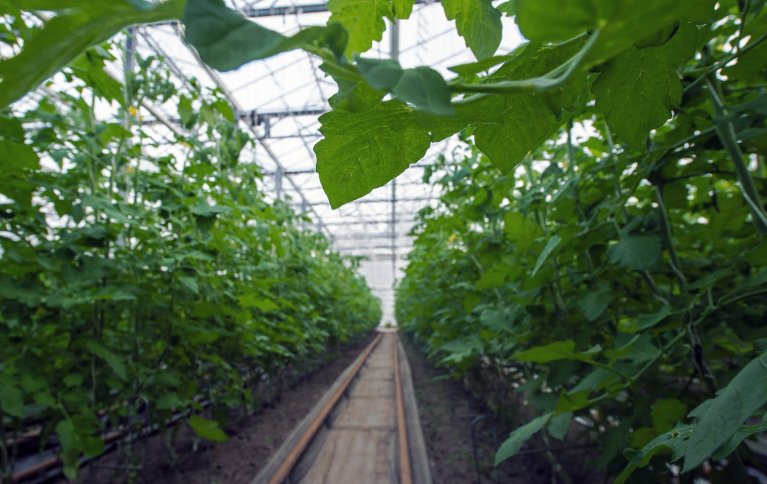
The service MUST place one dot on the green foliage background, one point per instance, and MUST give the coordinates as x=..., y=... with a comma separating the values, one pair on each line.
x=142, y=273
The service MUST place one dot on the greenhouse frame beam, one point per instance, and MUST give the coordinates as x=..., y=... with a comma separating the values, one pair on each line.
x=366, y=235
x=375, y=247
x=394, y=39
x=256, y=118
x=254, y=12
x=372, y=222
x=281, y=11
x=383, y=200
x=377, y=257
x=251, y=118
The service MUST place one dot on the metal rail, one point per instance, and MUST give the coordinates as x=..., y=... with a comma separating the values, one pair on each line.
x=285, y=469
x=405, y=471
x=293, y=458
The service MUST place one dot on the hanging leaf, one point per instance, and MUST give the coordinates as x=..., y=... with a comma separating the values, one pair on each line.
x=720, y=417
x=646, y=321
x=518, y=438
x=66, y=35
x=638, y=90
x=551, y=245
x=116, y=363
x=478, y=22
x=189, y=283
x=207, y=429
x=364, y=151
x=558, y=350
x=559, y=425
x=226, y=40
x=423, y=88
x=594, y=302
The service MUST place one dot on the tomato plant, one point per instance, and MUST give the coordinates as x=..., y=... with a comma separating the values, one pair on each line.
x=139, y=270
x=622, y=294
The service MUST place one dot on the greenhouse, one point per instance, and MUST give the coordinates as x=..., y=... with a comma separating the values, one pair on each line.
x=395, y=241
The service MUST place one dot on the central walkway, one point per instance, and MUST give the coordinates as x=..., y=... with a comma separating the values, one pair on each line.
x=361, y=443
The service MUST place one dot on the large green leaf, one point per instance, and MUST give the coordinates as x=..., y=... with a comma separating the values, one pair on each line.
x=675, y=439
x=752, y=64
x=638, y=89
x=189, y=283
x=557, y=20
x=478, y=22
x=365, y=150
x=169, y=401
x=68, y=34
x=421, y=87
x=354, y=93
x=719, y=418
x=743, y=432
x=518, y=438
x=402, y=8
x=91, y=68
x=226, y=40
x=363, y=19
x=622, y=24
x=77, y=435
x=259, y=302
x=509, y=127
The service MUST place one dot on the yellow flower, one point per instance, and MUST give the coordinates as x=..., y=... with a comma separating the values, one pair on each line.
x=133, y=111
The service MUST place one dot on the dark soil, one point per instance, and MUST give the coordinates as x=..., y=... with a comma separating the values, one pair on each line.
x=448, y=412
x=252, y=439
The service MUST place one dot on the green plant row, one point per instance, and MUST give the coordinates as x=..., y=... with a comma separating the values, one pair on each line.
x=145, y=271
x=622, y=295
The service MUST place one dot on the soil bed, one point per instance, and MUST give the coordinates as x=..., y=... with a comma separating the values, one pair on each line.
x=252, y=439
x=448, y=412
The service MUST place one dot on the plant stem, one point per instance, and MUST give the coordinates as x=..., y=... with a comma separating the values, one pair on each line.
x=5, y=471
x=557, y=77
x=555, y=465
x=571, y=169
x=726, y=132
x=676, y=265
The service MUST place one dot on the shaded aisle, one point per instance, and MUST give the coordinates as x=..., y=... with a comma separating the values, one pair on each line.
x=364, y=430
x=360, y=445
